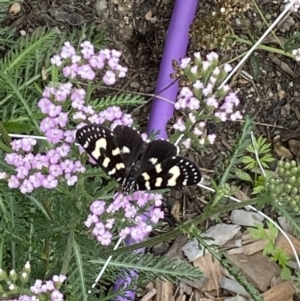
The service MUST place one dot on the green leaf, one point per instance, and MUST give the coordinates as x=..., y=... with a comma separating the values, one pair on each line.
x=243, y=175
x=5, y=148
x=285, y=273
x=17, y=126
x=4, y=134
x=258, y=189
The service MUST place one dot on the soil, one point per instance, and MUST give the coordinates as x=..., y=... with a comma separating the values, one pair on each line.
x=268, y=84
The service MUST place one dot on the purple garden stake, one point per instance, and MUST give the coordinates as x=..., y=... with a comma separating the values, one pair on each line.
x=161, y=112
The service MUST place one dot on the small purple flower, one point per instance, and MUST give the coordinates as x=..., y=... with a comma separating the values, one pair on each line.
x=187, y=143
x=185, y=92
x=48, y=286
x=63, y=150
x=37, y=287
x=71, y=179
x=13, y=182
x=124, y=233
x=56, y=60
x=57, y=296
x=86, y=72
x=78, y=95
x=113, y=62
x=115, y=53
x=79, y=167
x=236, y=116
x=221, y=115
x=61, y=96
x=70, y=71
x=22, y=172
x=97, y=61
x=110, y=223
x=106, y=53
x=44, y=104
x=48, y=92
x=184, y=62
x=61, y=119
x=121, y=71
x=40, y=161
x=211, y=138
x=109, y=78
x=198, y=85
x=14, y=159
x=3, y=175
x=36, y=179
x=179, y=125
x=194, y=103
x=181, y=103
x=88, y=110
x=54, y=135
x=91, y=219
x=26, y=187
x=105, y=239
x=76, y=58
x=99, y=229
x=97, y=207
x=55, y=170
x=212, y=101
x=53, y=156
x=127, y=119
x=54, y=110
x=67, y=50
x=156, y=215
x=208, y=90
x=94, y=119
x=79, y=116
x=69, y=136
x=212, y=56
x=67, y=166
x=59, y=279
x=87, y=49
x=49, y=182
x=47, y=124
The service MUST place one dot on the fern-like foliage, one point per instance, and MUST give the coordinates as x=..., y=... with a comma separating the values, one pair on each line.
x=122, y=100
x=28, y=49
x=236, y=157
x=150, y=266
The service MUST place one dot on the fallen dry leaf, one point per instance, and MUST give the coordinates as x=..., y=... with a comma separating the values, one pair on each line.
x=14, y=9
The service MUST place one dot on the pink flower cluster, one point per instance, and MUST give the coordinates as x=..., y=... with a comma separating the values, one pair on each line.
x=56, y=100
x=50, y=288
x=103, y=219
x=41, y=170
x=203, y=98
x=88, y=62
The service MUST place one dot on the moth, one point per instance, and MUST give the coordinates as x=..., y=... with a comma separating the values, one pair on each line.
x=134, y=163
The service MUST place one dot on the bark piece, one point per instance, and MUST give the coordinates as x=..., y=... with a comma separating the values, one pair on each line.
x=233, y=286
x=281, y=292
x=211, y=270
x=220, y=234
x=256, y=268
x=281, y=242
x=244, y=218
x=255, y=246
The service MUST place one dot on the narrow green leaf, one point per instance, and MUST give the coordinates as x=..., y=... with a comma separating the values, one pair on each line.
x=4, y=134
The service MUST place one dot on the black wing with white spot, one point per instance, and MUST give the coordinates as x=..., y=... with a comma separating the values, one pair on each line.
x=131, y=145
x=172, y=172
x=101, y=145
